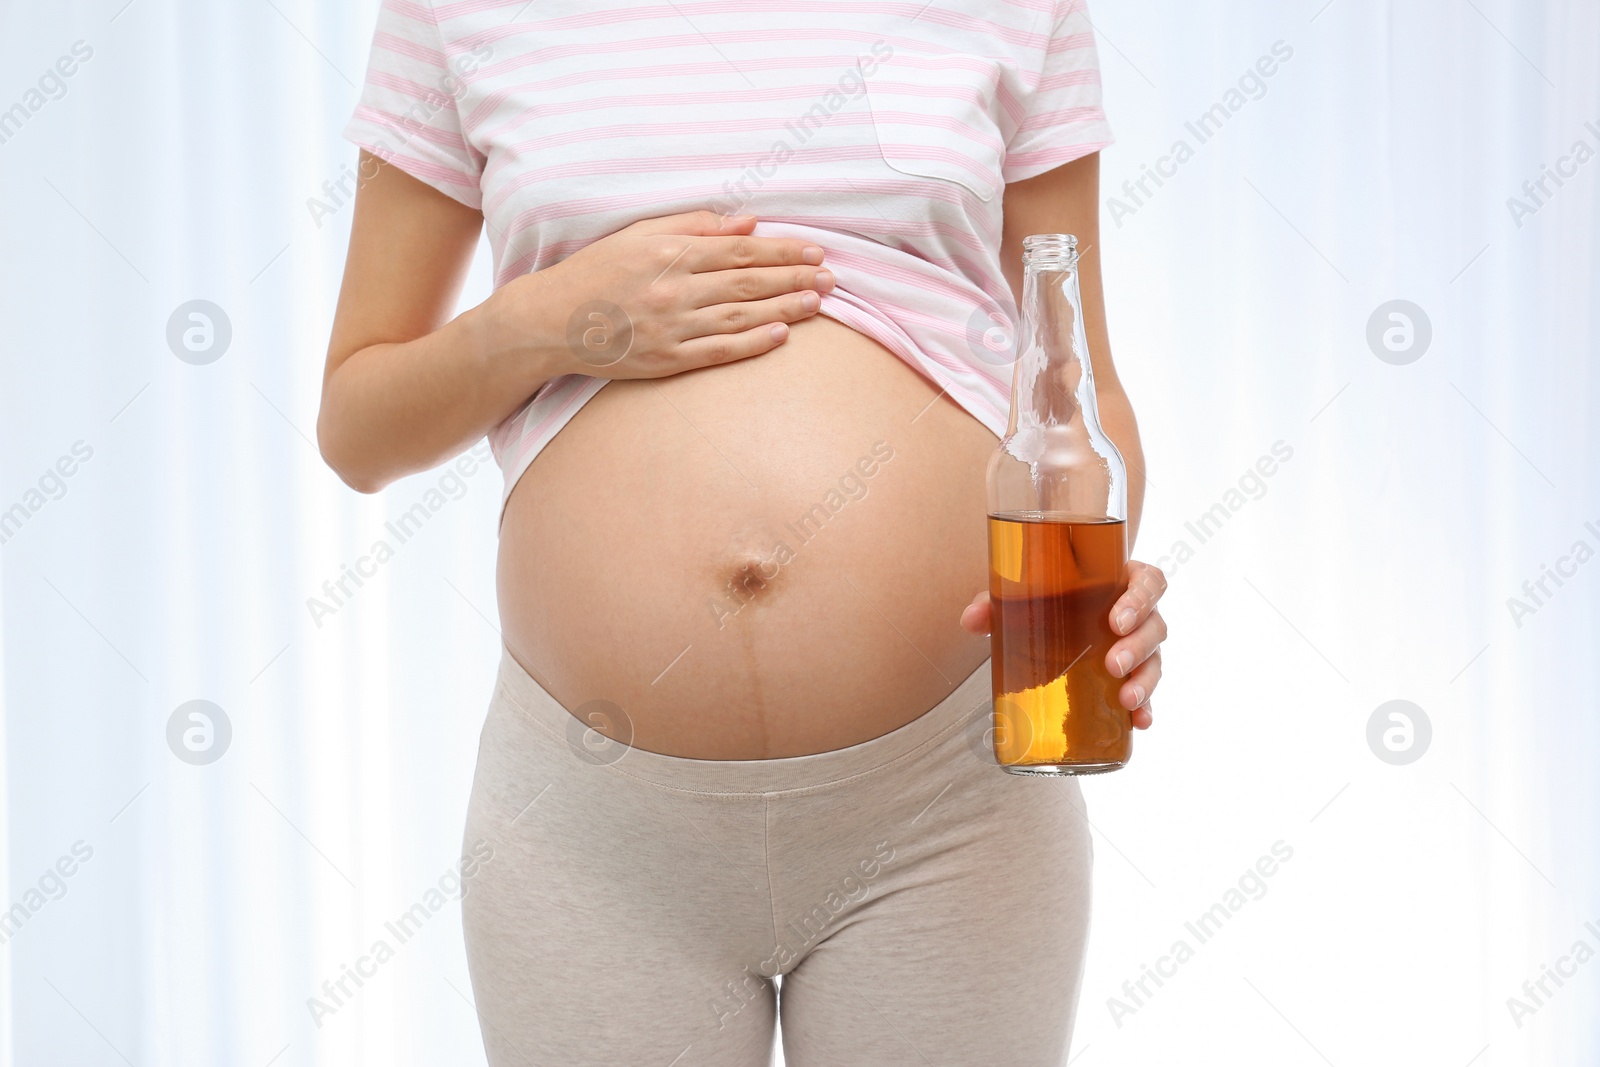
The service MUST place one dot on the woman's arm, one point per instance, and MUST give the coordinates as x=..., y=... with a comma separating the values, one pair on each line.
x=1067, y=200
x=407, y=386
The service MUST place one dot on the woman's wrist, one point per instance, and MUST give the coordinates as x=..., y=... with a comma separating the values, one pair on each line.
x=520, y=326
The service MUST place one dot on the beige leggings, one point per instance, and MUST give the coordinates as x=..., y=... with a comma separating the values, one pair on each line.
x=921, y=905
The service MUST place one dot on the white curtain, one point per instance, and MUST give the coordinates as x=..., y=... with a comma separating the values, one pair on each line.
x=167, y=519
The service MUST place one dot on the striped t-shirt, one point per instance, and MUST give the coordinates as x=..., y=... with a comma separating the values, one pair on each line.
x=882, y=130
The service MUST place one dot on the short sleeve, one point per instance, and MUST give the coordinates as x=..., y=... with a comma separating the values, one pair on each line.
x=1062, y=118
x=408, y=114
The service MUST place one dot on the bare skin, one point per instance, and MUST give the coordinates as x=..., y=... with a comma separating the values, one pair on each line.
x=657, y=554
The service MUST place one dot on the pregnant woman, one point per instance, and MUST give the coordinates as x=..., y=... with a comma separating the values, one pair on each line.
x=736, y=372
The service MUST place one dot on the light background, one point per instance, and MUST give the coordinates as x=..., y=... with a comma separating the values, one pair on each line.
x=1377, y=564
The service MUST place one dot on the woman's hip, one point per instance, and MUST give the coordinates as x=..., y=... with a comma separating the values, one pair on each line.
x=663, y=895
x=570, y=812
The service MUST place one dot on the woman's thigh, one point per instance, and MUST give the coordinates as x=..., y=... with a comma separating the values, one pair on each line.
x=612, y=919
x=969, y=948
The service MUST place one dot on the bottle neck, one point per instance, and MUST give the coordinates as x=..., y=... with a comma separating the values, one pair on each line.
x=1054, y=382
x=1055, y=463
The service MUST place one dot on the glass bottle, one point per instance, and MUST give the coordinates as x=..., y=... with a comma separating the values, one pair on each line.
x=1058, y=543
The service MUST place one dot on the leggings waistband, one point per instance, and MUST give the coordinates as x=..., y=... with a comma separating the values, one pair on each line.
x=957, y=710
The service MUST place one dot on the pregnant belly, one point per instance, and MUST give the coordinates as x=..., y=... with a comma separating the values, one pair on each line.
x=762, y=559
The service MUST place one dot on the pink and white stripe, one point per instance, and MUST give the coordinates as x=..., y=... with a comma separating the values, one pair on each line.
x=883, y=130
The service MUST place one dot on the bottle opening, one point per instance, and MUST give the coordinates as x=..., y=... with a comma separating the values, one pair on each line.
x=1049, y=251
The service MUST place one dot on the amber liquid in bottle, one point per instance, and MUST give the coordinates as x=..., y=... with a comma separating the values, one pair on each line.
x=1052, y=584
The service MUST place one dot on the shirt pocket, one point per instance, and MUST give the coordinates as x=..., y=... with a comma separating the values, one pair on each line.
x=933, y=116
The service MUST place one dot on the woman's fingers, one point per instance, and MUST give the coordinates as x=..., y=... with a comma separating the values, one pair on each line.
x=736, y=318
x=694, y=224
x=1126, y=654
x=1135, y=692
x=1145, y=586
x=1136, y=658
x=727, y=347
x=1142, y=648
x=688, y=290
x=975, y=616
x=703, y=242
x=757, y=283
x=727, y=253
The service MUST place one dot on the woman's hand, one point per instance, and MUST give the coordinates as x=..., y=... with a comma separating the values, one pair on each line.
x=664, y=296
x=1136, y=656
